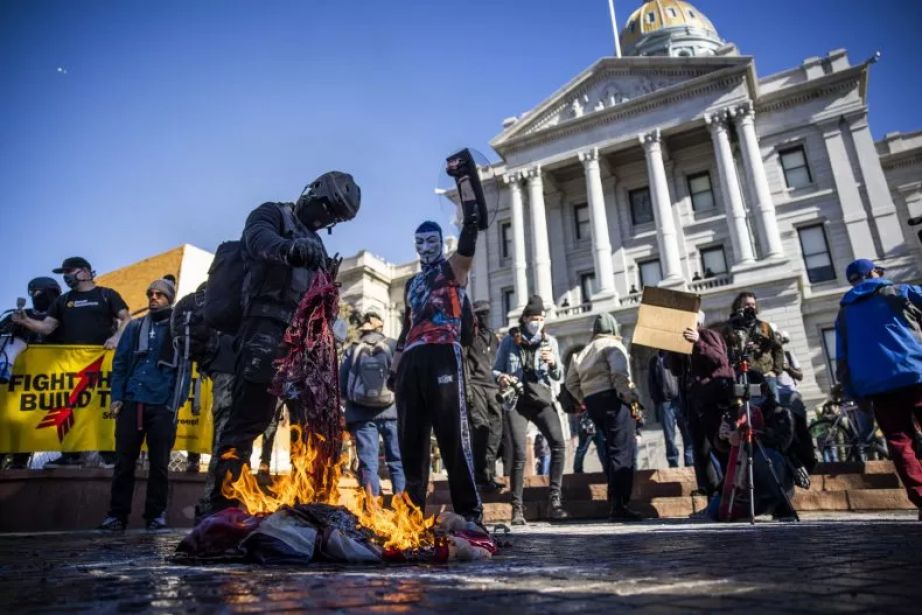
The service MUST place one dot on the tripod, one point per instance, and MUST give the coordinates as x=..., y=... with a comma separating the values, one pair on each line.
x=749, y=440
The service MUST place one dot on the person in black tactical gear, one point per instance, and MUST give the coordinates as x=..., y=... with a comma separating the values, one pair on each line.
x=486, y=411
x=282, y=252
x=43, y=292
x=429, y=369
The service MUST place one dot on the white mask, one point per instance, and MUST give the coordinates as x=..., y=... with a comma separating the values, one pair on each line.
x=533, y=327
x=429, y=247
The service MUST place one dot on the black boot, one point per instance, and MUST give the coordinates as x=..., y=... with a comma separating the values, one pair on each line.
x=518, y=516
x=622, y=513
x=556, y=509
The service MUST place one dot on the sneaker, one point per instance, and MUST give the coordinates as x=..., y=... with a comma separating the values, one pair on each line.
x=66, y=460
x=157, y=523
x=518, y=517
x=623, y=514
x=556, y=508
x=112, y=524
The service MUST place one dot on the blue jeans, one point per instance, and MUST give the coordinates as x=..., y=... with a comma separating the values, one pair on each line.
x=366, y=447
x=671, y=414
x=582, y=447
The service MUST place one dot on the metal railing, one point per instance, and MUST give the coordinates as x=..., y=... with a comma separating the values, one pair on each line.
x=716, y=281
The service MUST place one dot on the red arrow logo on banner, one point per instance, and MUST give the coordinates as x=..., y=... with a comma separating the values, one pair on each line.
x=63, y=418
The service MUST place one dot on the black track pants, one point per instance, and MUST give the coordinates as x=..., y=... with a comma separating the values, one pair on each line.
x=430, y=396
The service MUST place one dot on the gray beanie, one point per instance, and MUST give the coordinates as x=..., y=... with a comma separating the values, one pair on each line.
x=605, y=324
x=164, y=286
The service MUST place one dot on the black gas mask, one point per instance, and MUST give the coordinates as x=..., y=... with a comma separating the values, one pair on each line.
x=332, y=198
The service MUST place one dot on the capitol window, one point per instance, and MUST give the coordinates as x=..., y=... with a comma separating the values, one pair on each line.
x=713, y=261
x=815, y=249
x=794, y=164
x=702, y=195
x=505, y=239
x=581, y=220
x=586, y=286
x=651, y=17
x=641, y=208
x=508, y=295
x=672, y=12
x=650, y=273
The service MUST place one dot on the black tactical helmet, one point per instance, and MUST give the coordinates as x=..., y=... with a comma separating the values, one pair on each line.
x=332, y=198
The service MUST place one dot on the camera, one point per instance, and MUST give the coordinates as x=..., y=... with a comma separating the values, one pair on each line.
x=510, y=395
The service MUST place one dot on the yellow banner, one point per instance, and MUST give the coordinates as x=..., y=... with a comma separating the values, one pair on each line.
x=58, y=400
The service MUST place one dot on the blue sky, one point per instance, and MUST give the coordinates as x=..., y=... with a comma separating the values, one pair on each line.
x=174, y=119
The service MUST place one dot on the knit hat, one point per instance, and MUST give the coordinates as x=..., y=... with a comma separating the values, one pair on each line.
x=429, y=227
x=534, y=307
x=605, y=324
x=164, y=286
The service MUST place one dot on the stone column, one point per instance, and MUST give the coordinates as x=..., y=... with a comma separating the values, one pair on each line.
x=758, y=181
x=853, y=214
x=540, y=245
x=601, y=246
x=730, y=186
x=662, y=207
x=519, y=264
x=875, y=185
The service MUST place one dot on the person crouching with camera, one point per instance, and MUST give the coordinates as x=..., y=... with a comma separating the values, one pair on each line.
x=600, y=377
x=527, y=361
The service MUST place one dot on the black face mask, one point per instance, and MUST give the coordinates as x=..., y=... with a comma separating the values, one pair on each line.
x=42, y=301
x=749, y=314
x=313, y=213
x=71, y=280
x=483, y=319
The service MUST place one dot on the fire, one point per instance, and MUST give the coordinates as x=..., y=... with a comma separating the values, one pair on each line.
x=403, y=526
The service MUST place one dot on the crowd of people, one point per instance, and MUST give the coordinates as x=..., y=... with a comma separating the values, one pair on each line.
x=450, y=374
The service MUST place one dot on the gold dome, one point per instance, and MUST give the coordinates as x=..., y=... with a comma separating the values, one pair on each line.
x=656, y=15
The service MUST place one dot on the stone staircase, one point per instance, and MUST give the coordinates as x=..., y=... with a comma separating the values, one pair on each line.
x=668, y=493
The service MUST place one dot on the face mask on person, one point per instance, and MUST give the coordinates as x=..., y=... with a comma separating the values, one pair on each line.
x=72, y=279
x=533, y=326
x=42, y=300
x=429, y=247
x=749, y=314
x=483, y=319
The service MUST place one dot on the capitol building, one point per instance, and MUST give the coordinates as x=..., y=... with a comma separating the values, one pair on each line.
x=677, y=165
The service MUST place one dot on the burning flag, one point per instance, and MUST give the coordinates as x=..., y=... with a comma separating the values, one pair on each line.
x=303, y=516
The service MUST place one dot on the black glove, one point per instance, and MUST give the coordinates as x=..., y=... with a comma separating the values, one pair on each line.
x=390, y=383
x=304, y=252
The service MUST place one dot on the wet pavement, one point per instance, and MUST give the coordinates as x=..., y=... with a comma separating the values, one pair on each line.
x=830, y=563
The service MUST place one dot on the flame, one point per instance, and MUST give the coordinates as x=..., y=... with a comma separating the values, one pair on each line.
x=403, y=526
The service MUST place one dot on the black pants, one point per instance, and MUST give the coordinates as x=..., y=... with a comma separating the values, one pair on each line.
x=430, y=396
x=620, y=444
x=548, y=423
x=486, y=430
x=134, y=424
x=252, y=406
x=703, y=424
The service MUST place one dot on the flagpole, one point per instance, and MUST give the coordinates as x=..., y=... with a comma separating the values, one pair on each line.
x=614, y=27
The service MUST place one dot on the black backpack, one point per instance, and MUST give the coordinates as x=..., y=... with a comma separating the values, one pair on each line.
x=201, y=338
x=224, y=293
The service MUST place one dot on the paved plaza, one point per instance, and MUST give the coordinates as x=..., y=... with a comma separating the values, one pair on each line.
x=841, y=563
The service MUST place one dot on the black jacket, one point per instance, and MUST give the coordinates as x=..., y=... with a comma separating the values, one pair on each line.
x=481, y=355
x=273, y=287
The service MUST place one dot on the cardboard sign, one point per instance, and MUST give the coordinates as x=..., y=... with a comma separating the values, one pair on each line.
x=664, y=315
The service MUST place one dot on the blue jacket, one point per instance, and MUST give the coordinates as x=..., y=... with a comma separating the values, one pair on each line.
x=509, y=361
x=879, y=337
x=143, y=377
